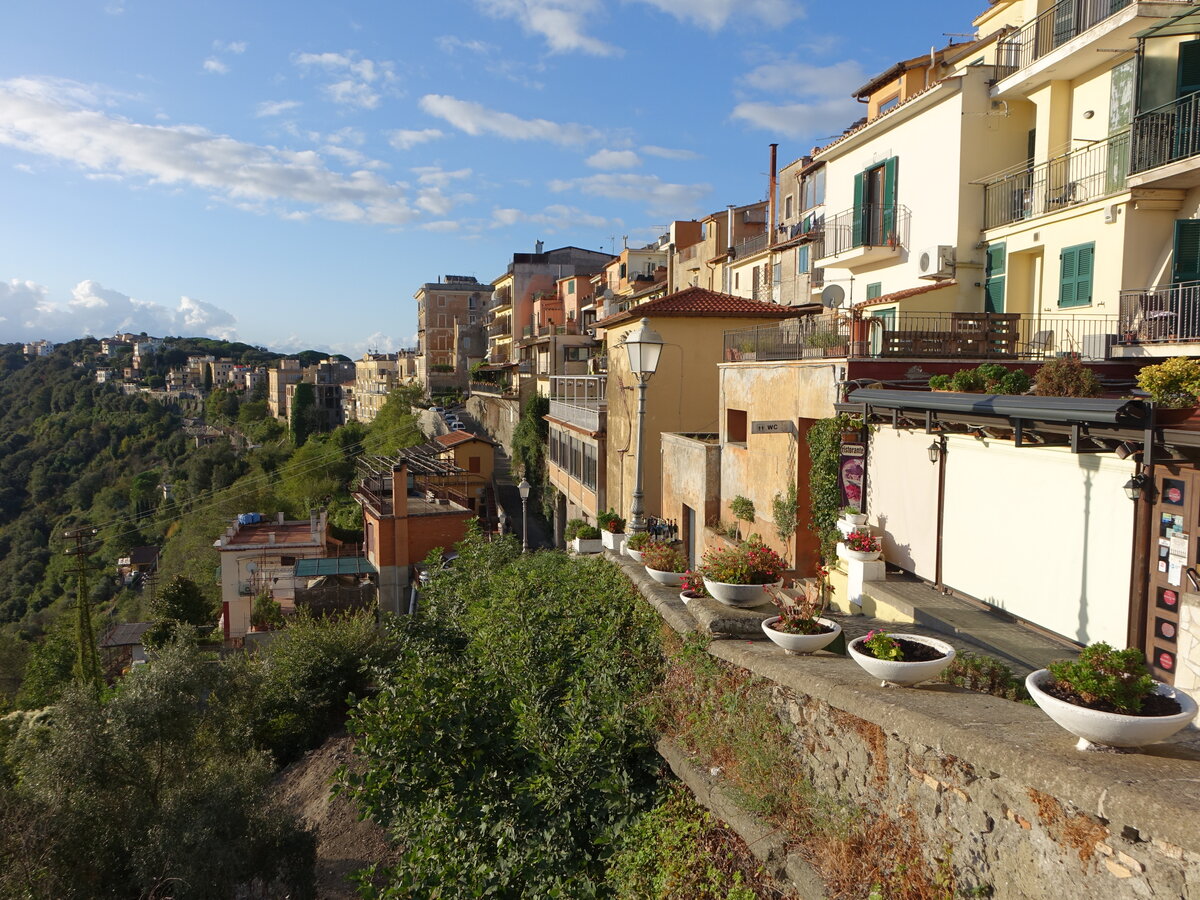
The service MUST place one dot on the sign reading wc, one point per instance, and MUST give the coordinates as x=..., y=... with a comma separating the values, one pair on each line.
x=776, y=426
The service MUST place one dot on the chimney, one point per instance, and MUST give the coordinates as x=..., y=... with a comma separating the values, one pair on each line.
x=537, y=247
x=772, y=186
x=271, y=538
x=279, y=517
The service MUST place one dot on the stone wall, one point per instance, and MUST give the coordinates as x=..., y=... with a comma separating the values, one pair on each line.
x=498, y=416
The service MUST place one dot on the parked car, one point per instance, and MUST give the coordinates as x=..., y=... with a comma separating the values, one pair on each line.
x=424, y=576
x=458, y=426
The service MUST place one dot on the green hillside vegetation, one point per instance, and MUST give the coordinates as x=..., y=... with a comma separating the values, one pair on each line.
x=78, y=453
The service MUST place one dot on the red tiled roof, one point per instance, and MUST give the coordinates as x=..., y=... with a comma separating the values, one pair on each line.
x=695, y=302
x=454, y=438
x=896, y=296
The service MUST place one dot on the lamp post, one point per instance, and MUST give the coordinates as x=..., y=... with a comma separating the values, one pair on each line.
x=644, y=348
x=523, y=488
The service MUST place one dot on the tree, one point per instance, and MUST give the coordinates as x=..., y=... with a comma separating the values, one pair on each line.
x=304, y=405
x=48, y=670
x=395, y=426
x=180, y=602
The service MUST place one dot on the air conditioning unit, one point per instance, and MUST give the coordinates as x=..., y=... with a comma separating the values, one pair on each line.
x=936, y=262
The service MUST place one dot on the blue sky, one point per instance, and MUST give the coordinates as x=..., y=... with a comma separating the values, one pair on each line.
x=289, y=174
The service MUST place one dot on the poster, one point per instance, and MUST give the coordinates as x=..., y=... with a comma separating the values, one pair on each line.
x=852, y=474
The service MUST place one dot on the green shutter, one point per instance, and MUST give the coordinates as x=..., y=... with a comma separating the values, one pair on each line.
x=1188, y=80
x=993, y=286
x=802, y=259
x=857, y=226
x=1186, y=265
x=1076, y=268
x=874, y=290
x=889, y=200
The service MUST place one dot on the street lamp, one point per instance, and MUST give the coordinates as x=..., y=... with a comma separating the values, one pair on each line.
x=524, y=488
x=644, y=348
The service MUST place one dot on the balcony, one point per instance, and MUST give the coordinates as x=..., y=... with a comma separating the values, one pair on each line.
x=579, y=400
x=865, y=234
x=1058, y=25
x=499, y=329
x=1161, y=318
x=977, y=336
x=1072, y=179
x=490, y=389
x=1165, y=141
x=750, y=246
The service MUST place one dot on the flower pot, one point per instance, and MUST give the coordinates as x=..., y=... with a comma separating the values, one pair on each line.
x=613, y=540
x=863, y=555
x=739, y=594
x=587, y=545
x=686, y=597
x=635, y=555
x=1093, y=726
x=668, y=578
x=855, y=519
x=798, y=644
x=903, y=674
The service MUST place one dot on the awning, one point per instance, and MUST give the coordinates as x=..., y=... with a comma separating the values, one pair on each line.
x=1127, y=413
x=1184, y=23
x=338, y=565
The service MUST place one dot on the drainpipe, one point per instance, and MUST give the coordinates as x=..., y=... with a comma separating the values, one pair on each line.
x=772, y=185
x=1139, y=586
x=941, y=509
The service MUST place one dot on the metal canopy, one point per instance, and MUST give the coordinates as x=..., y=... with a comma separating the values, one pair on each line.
x=1070, y=410
x=1184, y=23
x=338, y=565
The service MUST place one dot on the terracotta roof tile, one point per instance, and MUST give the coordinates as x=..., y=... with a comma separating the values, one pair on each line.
x=454, y=438
x=697, y=301
x=896, y=296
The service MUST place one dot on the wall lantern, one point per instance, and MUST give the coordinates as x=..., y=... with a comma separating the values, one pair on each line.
x=1134, y=487
x=935, y=452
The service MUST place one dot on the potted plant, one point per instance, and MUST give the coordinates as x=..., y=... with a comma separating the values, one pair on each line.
x=799, y=628
x=1174, y=384
x=587, y=540
x=693, y=586
x=743, y=509
x=900, y=659
x=739, y=576
x=854, y=516
x=664, y=563
x=571, y=530
x=636, y=543
x=612, y=530
x=862, y=545
x=1107, y=697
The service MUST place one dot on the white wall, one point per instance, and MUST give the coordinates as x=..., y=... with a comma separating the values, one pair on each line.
x=902, y=498
x=1043, y=533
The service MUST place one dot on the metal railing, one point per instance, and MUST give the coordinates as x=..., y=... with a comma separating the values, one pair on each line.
x=1063, y=21
x=589, y=418
x=869, y=225
x=488, y=389
x=749, y=246
x=993, y=336
x=809, y=337
x=1166, y=133
x=1068, y=180
x=1161, y=315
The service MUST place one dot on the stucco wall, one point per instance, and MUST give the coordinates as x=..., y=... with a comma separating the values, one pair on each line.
x=691, y=476
x=902, y=498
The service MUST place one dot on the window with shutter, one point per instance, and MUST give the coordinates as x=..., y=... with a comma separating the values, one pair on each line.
x=802, y=259
x=859, y=199
x=1076, y=267
x=1186, y=266
x=874, y=290
x=993, y=285
x=1188, y=80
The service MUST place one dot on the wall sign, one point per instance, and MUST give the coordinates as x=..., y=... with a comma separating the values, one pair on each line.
x=772, y=426
x=852, y=474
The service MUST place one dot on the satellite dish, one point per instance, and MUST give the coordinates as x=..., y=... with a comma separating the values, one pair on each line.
x=251, y=568
x=832, y=296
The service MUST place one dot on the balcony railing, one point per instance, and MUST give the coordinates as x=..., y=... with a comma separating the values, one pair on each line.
x=1161, y=315
x=488, y=389
x=497, y=329
x=994, y=336
x=869, y=225
x=1071, y=179
x=1166, y=133
x=580, y=400
x=1063, y=21
x=750, y=246
x=589, y=418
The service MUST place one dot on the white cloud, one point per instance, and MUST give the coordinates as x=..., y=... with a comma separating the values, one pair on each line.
x=715, y=14
x=275, y=107
x=26, y=312
x=560, y=22
x=555, y=217
x=438, y=203
x=818, y=101
x=476, y=119
x=436, y=176
x=661, y=198
x=360, y=81
x=35, y=120
x=405, y=139
x=449, y=43
x=214, y=65
x=668, y=153
x=442, y=225
x=614, y=159
x=237, y=47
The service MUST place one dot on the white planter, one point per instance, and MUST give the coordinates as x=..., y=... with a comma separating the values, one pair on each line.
x=685, y=598
x=855, y=519
x=669, y=578
x=613, y=540
x=904, y=674
x=635, y=555
x=587, y=545
x=862, y=555
x=798, y=644
x=1092, y=726
x=740, y=594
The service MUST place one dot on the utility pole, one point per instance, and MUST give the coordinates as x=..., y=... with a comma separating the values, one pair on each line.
x=87, y=659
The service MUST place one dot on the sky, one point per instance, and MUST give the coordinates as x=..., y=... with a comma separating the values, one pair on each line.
x=288, y=174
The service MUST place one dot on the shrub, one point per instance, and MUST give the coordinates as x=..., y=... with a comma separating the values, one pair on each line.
x=784, y=507
x=742, y=508
x=967, y=381
x=1174, y=383
x=883, y=646
x=989, y=378
x=862, y=541
x=571, y=531
x=693, y=583
x=1104, y=675
x=639, y=541
x=266, y=612
x=986, y=675
x=825, y=495
x=939, y=383
x=587, y=533
x=752, y=562
x=610, y=521
x=1066, y=376
x=664, y=558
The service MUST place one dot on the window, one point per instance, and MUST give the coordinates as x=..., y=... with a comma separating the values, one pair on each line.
x=874, y=222
x=1075, y=267
x=570, y=287
x=473, y=301
x=813, y=189
x=471, y=319
x=735, y=426
x=736, y=279
x=993, y=284
x=624, y=270
x=441, y=300
x=1186, y=265
x=441, y=320
x=473, y=463
x=874, y=290
x=890, y=103
x=590, y=467
x=787, y=206
x=776, y=273
x=802, y=260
